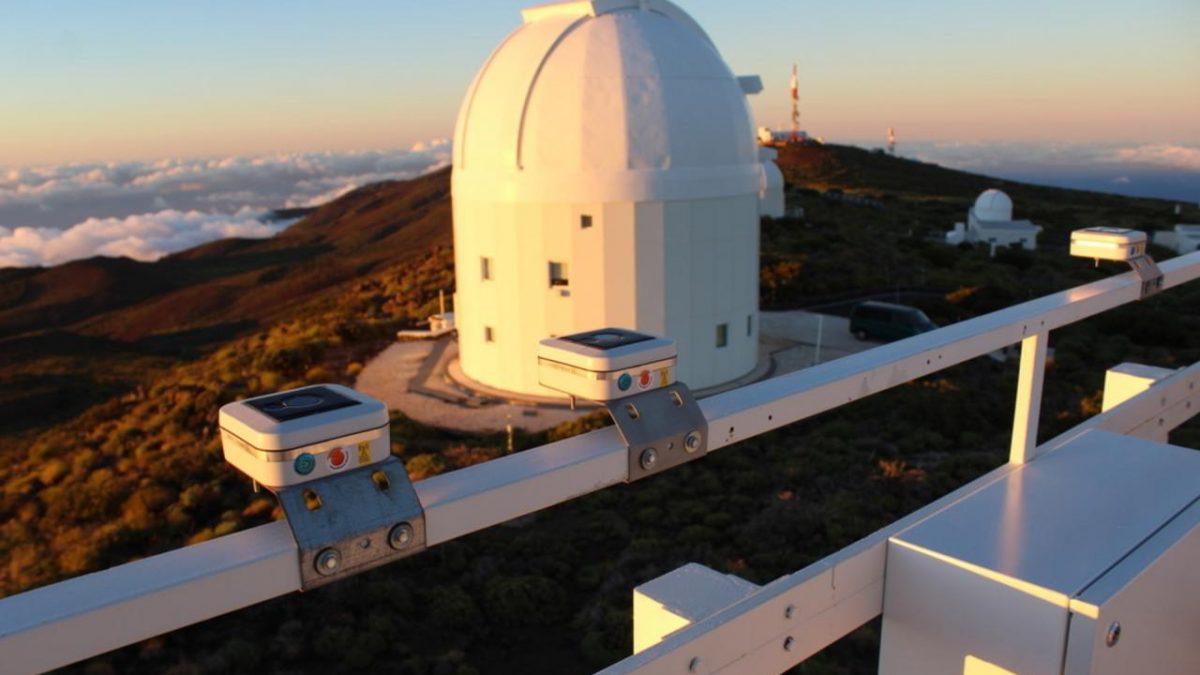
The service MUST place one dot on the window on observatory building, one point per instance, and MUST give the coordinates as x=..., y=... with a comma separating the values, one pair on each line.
x=749, y=325
x=485, y=268
x=722, y=335
x=585, y=221
x=558, y=274
x=487, y=334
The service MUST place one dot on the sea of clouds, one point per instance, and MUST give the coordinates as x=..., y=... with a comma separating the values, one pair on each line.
x=145, y=210
x=1163, y=170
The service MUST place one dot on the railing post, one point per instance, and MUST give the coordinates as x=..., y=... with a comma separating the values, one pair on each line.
x=1029, y=398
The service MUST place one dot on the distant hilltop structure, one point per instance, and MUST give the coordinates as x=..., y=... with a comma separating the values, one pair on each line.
x=990, y=221
x=778, y=138
x=606, y=174
x=1184, y=238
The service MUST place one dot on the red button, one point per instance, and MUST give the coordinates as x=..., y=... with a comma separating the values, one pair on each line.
x=337, y=458
x=644, y=379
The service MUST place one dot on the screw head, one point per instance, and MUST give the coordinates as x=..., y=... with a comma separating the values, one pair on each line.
x=789, y=643
x=694, y=664
x=692, y=442
x=401, y=536
x=649, y=458
x=1113, y=634
x=328, y=561
x=789, y=611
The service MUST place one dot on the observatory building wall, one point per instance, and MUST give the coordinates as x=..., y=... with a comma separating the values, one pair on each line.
x=606, y=175
x=527, y=271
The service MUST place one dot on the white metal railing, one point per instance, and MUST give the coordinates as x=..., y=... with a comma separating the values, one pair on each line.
x=794, y=617
x=62, y=623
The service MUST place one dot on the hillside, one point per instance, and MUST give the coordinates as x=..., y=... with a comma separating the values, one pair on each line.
x=136, y=468
x=75, y=334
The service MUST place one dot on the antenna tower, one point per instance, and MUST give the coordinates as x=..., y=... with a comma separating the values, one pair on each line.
x=891, y=141
x=795, y=107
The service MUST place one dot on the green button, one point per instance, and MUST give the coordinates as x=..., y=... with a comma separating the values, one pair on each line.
x=304, y=464
x=624, y=382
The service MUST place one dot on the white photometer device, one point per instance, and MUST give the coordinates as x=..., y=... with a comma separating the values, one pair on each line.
x=297, y=436
x=1108, y=243
x=606, y=364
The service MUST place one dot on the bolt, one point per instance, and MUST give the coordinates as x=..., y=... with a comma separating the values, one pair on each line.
x=789, y=611
x=364, y=544
x=694, y=664
x=692, y=442
x=1114, y=634
x=789, y=643
x=649, y=459
x=401, y=536
x=328, y=561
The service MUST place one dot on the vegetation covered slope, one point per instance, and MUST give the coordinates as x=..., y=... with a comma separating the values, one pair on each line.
x=142, y=471
x=74, y=335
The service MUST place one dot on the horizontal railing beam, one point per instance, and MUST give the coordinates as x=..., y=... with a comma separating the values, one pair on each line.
x=763, y=406
x=69, y=621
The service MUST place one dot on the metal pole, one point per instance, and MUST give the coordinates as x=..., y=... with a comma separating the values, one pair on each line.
x=820, y=334
x=1029, y=398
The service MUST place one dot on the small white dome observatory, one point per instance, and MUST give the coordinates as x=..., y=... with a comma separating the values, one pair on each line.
x=606, y=174
x=993, y=205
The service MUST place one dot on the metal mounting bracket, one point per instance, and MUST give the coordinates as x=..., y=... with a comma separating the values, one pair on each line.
x=1148, y=272
x=662, y=428
x=351, y=522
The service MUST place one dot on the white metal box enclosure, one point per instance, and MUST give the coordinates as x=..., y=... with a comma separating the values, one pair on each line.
x=1108, y=243
x=1033, y=573
x=302, y=434
x=606, y=364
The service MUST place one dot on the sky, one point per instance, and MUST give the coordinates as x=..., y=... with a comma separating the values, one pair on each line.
x=90, y=80
x=124, y=122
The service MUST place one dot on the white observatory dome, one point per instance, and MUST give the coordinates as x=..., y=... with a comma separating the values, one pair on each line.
x=993, y=205
x=605, y=100
x=606, y=174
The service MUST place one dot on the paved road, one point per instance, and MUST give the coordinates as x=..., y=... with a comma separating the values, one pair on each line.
x=399, y=374
x=793, y=338
x=411, y=376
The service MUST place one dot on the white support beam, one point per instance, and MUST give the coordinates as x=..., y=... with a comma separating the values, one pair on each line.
x=1164, y=406
x=483, y=495
x=65, y=622
x=814, y=607
x=151, y=596
x=1029, y=397
x=839, y=593
x=760, y=407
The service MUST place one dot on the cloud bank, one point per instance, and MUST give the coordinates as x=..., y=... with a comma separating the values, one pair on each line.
x=144, y=237
x=984, y=155
x=1163, y=170
x=144, y=210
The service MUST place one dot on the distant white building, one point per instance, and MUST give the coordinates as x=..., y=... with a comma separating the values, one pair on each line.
x=1183, y=239
x=990, y=221
x=606, y=174
x=770, y=184
x=769, y=136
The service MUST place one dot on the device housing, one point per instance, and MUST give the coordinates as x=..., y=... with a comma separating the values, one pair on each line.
x=303, y=434
x=606, y=364
x=1108, y=243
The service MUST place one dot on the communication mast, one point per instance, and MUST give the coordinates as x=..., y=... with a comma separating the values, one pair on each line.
x=795, y=107
x=891, y=141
